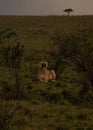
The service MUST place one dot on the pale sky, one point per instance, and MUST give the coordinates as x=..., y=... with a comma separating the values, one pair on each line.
x=45, y=7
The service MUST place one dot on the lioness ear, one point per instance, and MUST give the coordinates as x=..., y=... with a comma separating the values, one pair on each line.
x=40, y=64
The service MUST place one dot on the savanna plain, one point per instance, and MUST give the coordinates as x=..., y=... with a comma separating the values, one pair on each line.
x=66, y=43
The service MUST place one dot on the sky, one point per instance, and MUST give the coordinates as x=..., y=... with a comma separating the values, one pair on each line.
x=45, y=7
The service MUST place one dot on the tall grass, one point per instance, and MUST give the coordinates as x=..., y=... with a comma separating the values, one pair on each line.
x=61, y=105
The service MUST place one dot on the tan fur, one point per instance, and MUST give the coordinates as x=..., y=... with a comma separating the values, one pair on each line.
x=44, y=74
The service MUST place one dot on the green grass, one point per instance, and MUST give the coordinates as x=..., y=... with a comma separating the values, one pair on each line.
x=35, y=31
x=51, y=116
x=44, y=106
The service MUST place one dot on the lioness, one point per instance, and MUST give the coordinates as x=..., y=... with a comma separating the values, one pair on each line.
x=44, y=74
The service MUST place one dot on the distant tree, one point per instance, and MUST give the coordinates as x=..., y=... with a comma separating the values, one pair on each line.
x=68, y=11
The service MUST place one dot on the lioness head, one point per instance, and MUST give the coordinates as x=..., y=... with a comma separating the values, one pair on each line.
x=44, y=65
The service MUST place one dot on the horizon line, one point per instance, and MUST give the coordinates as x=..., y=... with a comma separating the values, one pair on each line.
x=46, y=15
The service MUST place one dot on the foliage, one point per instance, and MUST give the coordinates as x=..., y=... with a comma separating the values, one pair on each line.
x=7, y=113
x=12, y=56
x=77, y=46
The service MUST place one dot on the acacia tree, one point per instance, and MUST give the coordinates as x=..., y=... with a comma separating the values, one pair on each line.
x=68, y=11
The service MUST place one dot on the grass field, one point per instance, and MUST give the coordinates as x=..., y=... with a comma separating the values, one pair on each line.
x=43, y=106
